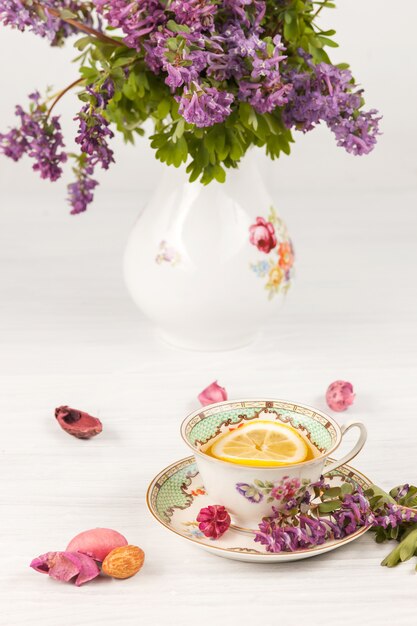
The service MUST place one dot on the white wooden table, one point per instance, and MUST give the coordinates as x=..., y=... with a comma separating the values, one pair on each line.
x=70, y=335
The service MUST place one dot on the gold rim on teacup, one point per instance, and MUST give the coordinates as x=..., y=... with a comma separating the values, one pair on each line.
x=271, y=406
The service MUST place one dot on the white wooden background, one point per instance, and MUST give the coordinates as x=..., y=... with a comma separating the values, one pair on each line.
x=70, y=335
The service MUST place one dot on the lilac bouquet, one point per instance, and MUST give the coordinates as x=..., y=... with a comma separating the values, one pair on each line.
x=214, y=76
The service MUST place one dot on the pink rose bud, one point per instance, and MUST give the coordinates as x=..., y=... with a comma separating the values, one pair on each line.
x=262, y=235
x=97, y=542
x=213, y=521
x=340, y=395
x=66, y=565
x=212, y=393
x=78, y=423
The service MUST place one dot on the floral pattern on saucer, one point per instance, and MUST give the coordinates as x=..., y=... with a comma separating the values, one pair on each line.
x=176, y=496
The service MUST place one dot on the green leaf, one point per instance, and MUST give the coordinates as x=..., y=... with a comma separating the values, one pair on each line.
x=83, y=42
x=123, y=60
x=332, y=492
x=219, y=173
x=66, y=14
x=177, y=28
x=130, y=87
x=163, y=108
x=328, y=42
x=405, y=549
x=330, y=506
x=346, y=488
x=291, y=30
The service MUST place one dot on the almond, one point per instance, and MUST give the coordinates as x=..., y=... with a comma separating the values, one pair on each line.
x=123, y=562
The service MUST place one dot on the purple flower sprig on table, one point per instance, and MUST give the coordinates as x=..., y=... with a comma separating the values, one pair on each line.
x=39, y=137
x=316, y=523
x=337, y=512
x=395, y=519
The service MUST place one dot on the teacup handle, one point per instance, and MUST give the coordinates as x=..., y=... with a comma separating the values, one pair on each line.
x=356, y=448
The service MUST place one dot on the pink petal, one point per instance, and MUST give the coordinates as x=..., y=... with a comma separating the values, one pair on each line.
x=340, y=395
x=212, y=393
x=97, y=542
x=66, y=565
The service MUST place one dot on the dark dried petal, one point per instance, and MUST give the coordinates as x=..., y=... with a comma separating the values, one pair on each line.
x=78, y=423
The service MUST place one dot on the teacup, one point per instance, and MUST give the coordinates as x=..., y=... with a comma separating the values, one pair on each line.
x=249, y=493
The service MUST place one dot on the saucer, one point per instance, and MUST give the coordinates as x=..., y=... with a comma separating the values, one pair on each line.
x=176, y=495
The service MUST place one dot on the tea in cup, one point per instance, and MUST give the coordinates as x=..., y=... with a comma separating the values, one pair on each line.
x=257, y=454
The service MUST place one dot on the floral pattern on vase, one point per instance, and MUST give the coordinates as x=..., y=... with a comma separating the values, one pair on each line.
x=270, y=236
x=288, y=492
x=167, y=254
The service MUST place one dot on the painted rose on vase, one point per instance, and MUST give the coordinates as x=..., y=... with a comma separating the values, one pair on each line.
x=270, y=237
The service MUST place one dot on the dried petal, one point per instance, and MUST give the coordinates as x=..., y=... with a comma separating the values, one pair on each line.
x=213, y=521
x=65, y=565
x=340, y=395
x=212, y=393
x=78, y=423
x=97, y=542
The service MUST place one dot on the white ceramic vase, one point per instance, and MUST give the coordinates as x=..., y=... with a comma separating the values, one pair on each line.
x=208, y=265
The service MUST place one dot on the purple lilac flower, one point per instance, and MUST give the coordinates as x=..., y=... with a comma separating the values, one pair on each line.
x=198, y=14
x=80, y=193
x=354, y=513
x=265, y=97
x=400, y=492
x=326, y=93
x=136, y=18
x=305, y=533
x=93, y=135
x=94, y=131
x=204, y=106
x=36, y=18
x=392, y=515
x=182, y=68
x=358, y=135
x=278, y=535
x=13, y=144
x=37, y=136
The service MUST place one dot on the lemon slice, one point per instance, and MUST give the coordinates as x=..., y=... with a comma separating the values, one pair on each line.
x=261, y=443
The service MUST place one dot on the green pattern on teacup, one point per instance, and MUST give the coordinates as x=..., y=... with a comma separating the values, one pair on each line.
x=318, y=433
x=171, y=493
x=210, y=422
x=203, y=431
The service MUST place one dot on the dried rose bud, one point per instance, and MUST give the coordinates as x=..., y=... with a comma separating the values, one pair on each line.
x=213, y=521
x=340, y=395
x=66, y=565
x=212, y=393
x=78, y=423
x=97, y=542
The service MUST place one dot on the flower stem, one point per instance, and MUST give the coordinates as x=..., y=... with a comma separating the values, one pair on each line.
x=319, y=9
x=62, y=93
x=80, y=26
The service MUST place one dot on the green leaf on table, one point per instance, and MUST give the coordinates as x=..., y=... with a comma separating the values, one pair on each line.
x=405, y=549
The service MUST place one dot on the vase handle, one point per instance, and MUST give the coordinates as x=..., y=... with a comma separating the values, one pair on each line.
x=356, y=448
